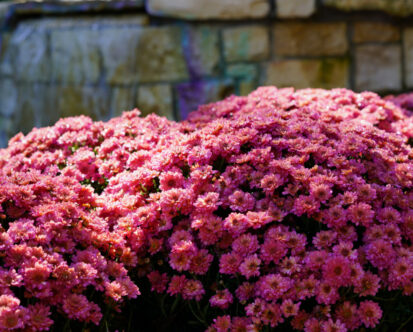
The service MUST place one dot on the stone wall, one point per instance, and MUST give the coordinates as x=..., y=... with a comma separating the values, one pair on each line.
x=98, y=58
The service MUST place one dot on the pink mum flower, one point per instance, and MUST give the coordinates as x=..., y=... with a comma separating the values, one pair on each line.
x=273, y=286
x=229, y=263
x=193, y=289
x=39, y=317
x=333, y=326
x=222, y=299
x=369, y=313
x=289, y=308
x=336, y=271
x=241, y=201
x=380, y=253
x=222, y=323
x=250, y=267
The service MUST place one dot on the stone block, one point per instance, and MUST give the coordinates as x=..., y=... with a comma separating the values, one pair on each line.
x=122, y=99
x=34, y=102
x=295, y=8
x=247, y=76
x=246, y=87
x=246, y=43
x=378, y=68
x=8, y=97
x=119, y=48
x=75, y=56
x=209, y=9
x=138, y=54
x=394, y=7
x=156, y=99
x=26, y=57
x=5, y=134
x=193, y=94
x=242, y=71
x=310, y=39
x=87, y=100
x=408, y=56
x=159, y=55
x=201, y=49
x=325, y=73
x=94, y=22
x=365, y=32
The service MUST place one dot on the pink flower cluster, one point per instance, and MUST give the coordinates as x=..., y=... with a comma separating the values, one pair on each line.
x=291, y=197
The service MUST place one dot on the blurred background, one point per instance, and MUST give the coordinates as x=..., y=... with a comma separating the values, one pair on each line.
x=64, y=58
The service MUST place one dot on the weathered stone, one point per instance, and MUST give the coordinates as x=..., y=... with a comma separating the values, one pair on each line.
x=26, y=57
x=326, y=73
x=123, y=99
x=295, y=8
x=159, y=56
x=32, y=102
x=119, y=48
x=5, y=125
x=75, y=56
x=191, y=95
x=95, y=22
x=246, y=87
x=250, y=43
x=201, y=49
x=408, y=56
x=310, y=39
x=88, y=100
x=137, y=54
x=242, y=71
x=247, y=76
x=209, y=9
x=44, y=7
x=8, y=97
x=156, y=99
x=394, y=7
x=365, y=32
x=378, y=67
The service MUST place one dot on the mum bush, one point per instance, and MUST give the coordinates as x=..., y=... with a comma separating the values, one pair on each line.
x=288, y=209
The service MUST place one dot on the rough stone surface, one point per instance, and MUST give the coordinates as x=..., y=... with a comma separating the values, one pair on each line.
x=75, y=56
x=191, y=95
x=156, y=99
x=365, y=32
x=143, y=55
x=311, y=39
x=5, y=125
x=246, y=43
x=243, y=70
x=33, y=104
x=26, y=56
x=119, y=50
x=247, y=76
x=295, y=8
x=159, y=55
x=378, y=68
x=201, y=49
x=209, y=9
x=394, y=7
x=87, y=100
x=327, y=73
x=122, y=99
x=408, y=56
x=93, y=22
x=8, y=97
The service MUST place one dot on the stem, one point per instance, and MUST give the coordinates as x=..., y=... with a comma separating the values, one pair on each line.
x=404, y=323
x=195, y=315
x=163, y=306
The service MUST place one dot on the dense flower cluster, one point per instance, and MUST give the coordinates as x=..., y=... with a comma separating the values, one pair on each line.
x=281, y=207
